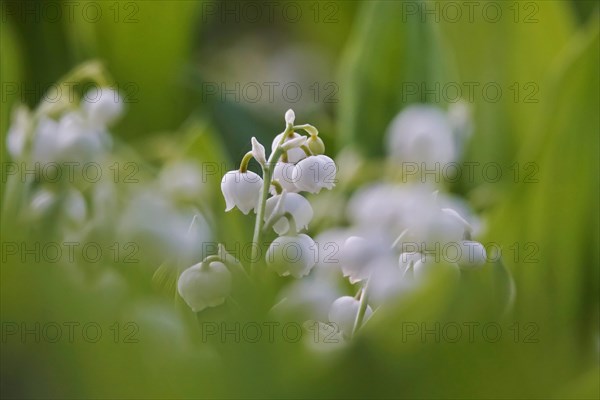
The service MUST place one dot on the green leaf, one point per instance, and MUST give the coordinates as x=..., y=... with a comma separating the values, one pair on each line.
x=554, y=222
x=505, y=60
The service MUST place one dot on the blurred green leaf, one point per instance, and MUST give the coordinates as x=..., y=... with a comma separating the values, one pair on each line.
x=556, y=219
x=145, y=45
x=10, y=78
x=505, y=60
x=386, y=51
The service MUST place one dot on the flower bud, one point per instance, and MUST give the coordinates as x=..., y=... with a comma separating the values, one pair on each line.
x=258, y=151
x=296, y=205
x=203, y=286
x=290, y=116
x=292, y=255
x=316, y=145
x=343, y=314
x=314, y=173
x=241, y=190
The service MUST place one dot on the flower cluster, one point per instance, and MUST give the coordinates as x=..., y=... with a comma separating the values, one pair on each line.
x=400, y=236
x=71, y=181
x=296, y=164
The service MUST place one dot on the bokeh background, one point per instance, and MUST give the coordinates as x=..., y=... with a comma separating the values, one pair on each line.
x=197, y=77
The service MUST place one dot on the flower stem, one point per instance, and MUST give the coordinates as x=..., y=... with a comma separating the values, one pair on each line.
x=245, y=161
x=260, y=212
x=360, y=316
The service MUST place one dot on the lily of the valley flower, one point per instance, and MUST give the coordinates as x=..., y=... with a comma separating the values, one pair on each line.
x=241, y=190
x=421, y=134
x=102, y=107
x=296, y=205
x=315, y=173
x=343, y=313
x=282, y=172
x=205, y=284
x=356, y=255
x=292, y=255
x=472, y=254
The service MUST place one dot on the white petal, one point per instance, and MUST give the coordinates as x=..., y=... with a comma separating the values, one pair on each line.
x=294, y=143
x=290, y=117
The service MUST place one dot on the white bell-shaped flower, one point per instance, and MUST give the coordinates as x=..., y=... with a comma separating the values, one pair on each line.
x=343, y=313
x=204, y=285
x=296, y=205
x=421, y=134
x=314, y=173
x=102, y=105
x=292, y=255
x=283, y=172
x=408, y=259
x=293, y=155
x=241, y=190
x=356, y=255
x=472, y=254
x=71, y=139
x=183, y=181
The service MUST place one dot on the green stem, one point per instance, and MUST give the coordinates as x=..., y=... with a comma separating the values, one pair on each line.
x=277, y=186
x=260, y=212
x=360, y=316
x=245, y=161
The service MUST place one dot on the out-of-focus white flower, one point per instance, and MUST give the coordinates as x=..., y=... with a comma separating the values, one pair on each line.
x=307, y=299
x=330, y=246
x=314, y=173
x=283, y=172
x=296, y=205
x=205, y=285
x=387, y=282
x=421, y=134
x=343, y=313
x=258, y=151
x=408, y=259
x=293, y=155
x=102, y=106
x=72, y=139
x=472, y=254
x=379, y=205
x=16, y=138
x=160, y=229
x=241, y=190
x=182, y=181
x=292, y=255
x=357, y=256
